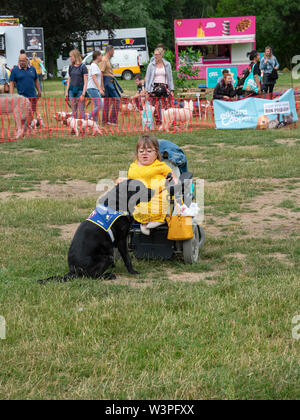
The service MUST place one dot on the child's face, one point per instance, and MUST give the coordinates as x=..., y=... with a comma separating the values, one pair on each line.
x=146, y=155
x=137, y=81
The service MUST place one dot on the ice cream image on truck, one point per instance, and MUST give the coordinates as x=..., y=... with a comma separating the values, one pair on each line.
x=200, y=31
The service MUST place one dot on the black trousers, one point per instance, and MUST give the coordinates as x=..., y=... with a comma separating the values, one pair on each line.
x=268, y=84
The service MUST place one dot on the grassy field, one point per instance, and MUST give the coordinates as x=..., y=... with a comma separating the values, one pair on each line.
x=221, y=328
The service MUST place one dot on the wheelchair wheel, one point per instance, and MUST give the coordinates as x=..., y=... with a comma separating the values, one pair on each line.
x=192, y=246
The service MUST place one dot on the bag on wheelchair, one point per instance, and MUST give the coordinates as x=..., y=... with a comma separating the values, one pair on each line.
x=180, y=227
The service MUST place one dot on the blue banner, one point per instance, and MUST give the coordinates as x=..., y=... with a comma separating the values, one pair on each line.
x=213, y=74
x=256, y=113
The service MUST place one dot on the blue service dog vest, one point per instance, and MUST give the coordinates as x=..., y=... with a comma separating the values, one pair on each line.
x=105, y=217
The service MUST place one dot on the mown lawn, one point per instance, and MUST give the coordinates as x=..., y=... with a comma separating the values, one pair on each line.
x=221, y=328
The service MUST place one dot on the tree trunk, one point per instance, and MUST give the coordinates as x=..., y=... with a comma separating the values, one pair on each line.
x=51, y=63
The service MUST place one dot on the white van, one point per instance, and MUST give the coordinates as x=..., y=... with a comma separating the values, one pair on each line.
x=125, y=63
x=122, y=39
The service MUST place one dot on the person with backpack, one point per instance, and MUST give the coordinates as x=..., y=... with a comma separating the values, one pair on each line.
x=252, y=82
x=77, y=84
x=269, y=66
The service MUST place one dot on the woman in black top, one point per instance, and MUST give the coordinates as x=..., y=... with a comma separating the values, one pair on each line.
x=77, y=84
x=224, y=89
x=254, y=65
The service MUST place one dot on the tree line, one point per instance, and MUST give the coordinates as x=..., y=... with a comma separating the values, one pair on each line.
x=66, y=21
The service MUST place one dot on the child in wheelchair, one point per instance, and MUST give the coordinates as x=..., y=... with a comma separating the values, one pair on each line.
x=173, y=184
x=149, y=168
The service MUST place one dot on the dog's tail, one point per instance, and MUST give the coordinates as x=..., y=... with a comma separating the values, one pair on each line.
x=59, y=279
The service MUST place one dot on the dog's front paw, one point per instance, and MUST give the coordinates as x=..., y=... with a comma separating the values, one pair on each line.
x=109, y=276
x=134, y=272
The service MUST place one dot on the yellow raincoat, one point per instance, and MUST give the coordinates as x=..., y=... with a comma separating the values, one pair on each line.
x=153, y=176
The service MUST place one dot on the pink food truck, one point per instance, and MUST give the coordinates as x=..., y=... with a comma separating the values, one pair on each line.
x=221, y=41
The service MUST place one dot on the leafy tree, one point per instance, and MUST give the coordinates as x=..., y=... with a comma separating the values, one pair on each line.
x=64, y=21
x=143, y=13
x=158, y=17
x=277, y=24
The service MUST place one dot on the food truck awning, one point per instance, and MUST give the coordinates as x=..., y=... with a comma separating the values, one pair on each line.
x=235, y=39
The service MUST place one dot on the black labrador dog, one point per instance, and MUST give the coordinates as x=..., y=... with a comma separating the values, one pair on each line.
x=91, y=251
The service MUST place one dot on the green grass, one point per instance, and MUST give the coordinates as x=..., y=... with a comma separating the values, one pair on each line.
x=221, y=328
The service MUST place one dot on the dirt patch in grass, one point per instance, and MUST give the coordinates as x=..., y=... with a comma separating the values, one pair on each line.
x=28, y=151
x=283, y=258
x=253, y=147
x=209, y=277
x=72, y=145
x=265, y=218
x=237, y=255
x=67, y=232
x=130, y=281
x=70, y=189
x=191, y=148
x=251, y=160
x=23, y=151
x=288, y=142
x=7, y=176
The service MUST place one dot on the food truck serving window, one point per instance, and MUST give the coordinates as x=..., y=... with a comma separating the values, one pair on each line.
x=221, y=52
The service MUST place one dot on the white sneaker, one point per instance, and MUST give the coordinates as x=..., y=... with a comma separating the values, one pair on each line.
x=145, y=230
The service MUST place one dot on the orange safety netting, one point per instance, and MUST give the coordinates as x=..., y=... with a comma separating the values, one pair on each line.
x=57, y=117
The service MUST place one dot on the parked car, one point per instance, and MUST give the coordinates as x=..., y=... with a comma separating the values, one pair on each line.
x=125, y=63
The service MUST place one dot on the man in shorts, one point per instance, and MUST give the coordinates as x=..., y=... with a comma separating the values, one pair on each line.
x=25, y=77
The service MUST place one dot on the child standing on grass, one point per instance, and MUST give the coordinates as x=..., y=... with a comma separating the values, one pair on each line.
x=139, y=97
x=149, y=169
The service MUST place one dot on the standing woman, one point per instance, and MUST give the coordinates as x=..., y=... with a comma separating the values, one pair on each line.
x=159, y=82
x=252, y=82
x=95, y=85
x=77, y=84
x=269, y=65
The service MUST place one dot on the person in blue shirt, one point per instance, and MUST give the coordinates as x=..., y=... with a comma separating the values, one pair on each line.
x=268, y=64
x=25, y=77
